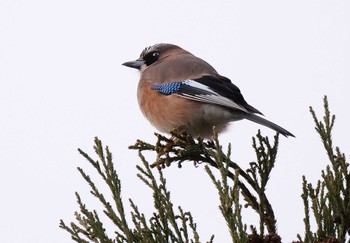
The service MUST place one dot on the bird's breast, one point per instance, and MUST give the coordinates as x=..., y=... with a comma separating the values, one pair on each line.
x=168, y=112
x=165, y=112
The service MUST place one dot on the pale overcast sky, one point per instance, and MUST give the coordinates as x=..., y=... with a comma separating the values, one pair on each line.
x=62, y=84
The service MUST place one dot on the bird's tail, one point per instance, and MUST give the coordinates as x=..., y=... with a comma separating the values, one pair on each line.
x=267, y=123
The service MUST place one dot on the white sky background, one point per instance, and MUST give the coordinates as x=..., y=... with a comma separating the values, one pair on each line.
x=62, y=84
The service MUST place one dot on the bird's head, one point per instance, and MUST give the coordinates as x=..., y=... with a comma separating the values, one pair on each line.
x=153, y=54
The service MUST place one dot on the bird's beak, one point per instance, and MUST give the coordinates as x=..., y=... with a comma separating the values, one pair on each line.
x=135, y=64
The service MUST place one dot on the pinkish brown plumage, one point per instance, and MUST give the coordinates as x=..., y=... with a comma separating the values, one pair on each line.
x=178, y=90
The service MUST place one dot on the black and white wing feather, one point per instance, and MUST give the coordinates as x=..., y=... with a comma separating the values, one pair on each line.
x=209, y=89
x=219, y=91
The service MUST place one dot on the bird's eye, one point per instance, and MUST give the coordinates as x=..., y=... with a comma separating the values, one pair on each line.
x=151, y=57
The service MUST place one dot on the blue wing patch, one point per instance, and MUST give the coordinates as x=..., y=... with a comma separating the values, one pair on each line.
x=208, y=89
x=169, y=88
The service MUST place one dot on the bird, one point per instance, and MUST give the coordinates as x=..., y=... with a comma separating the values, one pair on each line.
x=178, y=90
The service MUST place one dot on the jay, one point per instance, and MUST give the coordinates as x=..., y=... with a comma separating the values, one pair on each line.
x=178, y=90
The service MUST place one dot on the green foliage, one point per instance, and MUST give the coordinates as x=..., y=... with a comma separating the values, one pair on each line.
x=165, y=225
x=328, y=201
x=251, y=183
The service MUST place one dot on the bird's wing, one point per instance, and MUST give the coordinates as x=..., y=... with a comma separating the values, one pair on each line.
x=208, y=89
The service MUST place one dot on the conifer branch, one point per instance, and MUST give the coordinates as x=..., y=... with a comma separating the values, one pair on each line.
x=330, y=198
x=252, y=182
x=165, y=225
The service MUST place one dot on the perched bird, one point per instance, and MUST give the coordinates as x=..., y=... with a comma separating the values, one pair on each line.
x=178, y=90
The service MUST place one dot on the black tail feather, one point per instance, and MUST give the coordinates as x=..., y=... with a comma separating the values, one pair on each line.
x=267, y=123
